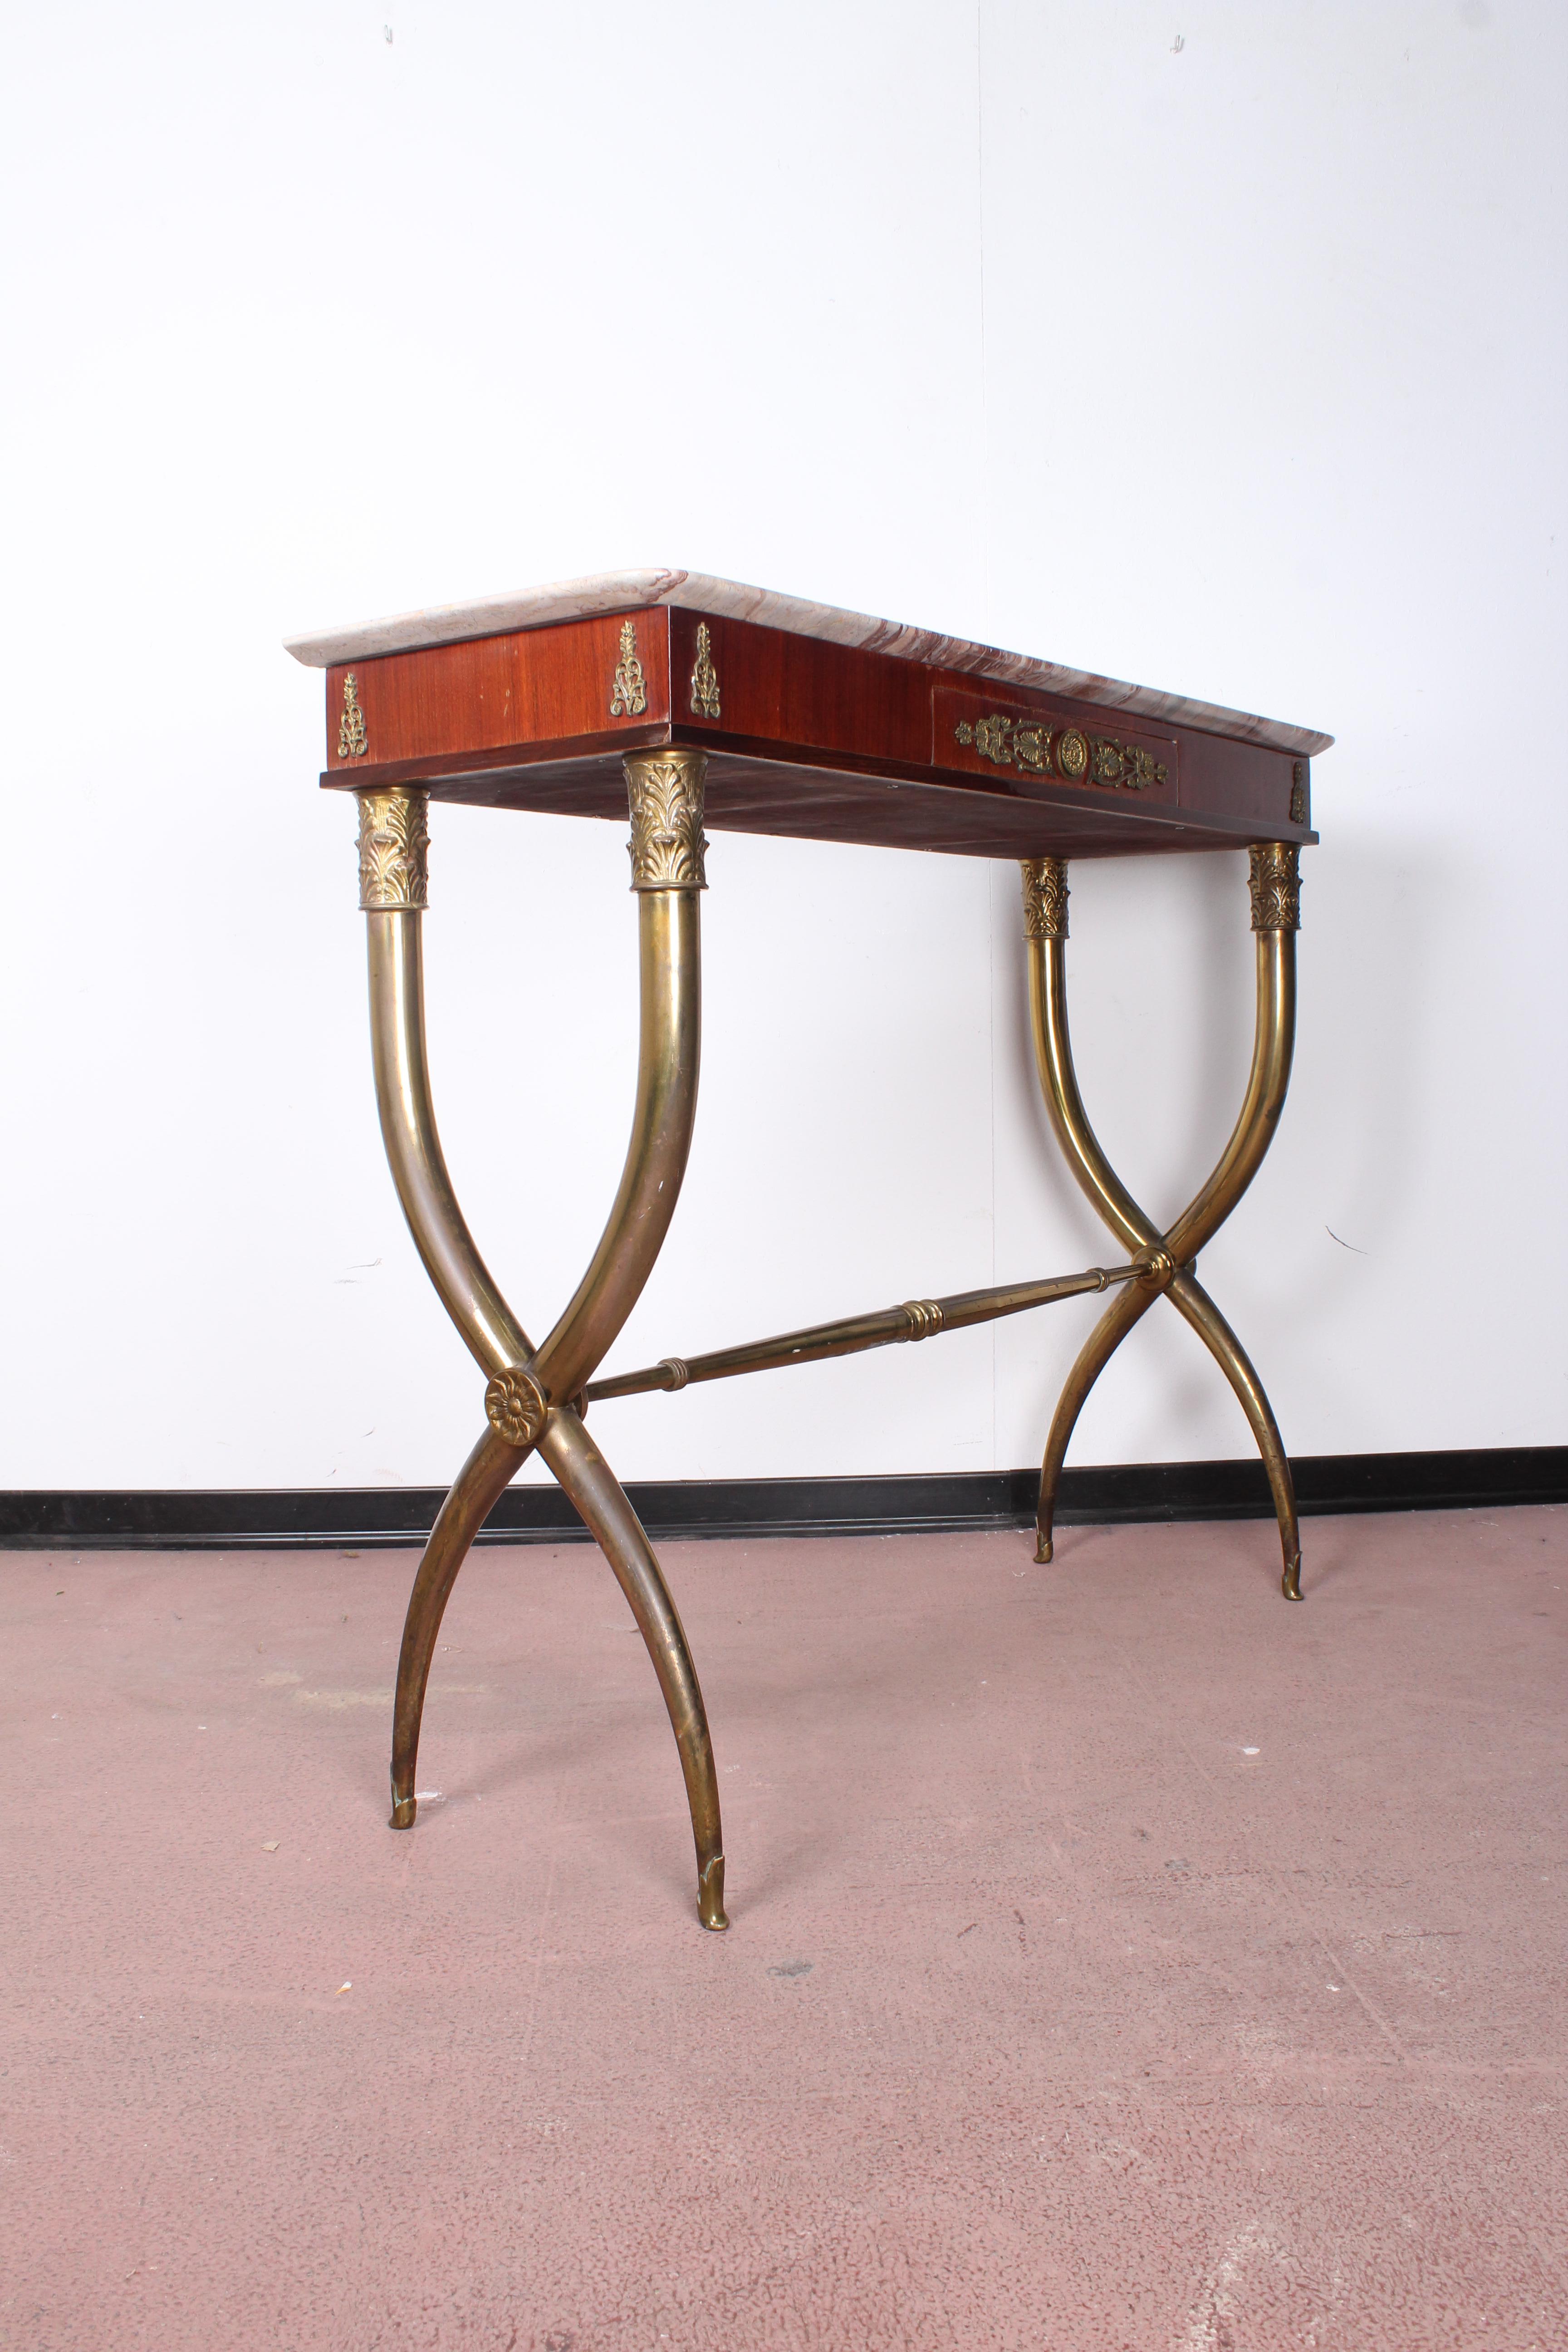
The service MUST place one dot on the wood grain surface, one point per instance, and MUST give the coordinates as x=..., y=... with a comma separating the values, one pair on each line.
x=818, y=741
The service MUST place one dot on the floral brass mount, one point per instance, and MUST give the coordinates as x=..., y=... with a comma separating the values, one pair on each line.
x=704, y=677
x=666, y=790
x=1066, y=753
x=393, y=849
x=1045, y=895
x=1274, y=882
x=516, y=1406
x=352, y=741
x=628, y=694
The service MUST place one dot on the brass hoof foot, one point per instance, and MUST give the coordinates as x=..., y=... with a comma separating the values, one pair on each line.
x=1042, y=1547
x=404, y=1810
x=1291, y=1582
x=710, y=1896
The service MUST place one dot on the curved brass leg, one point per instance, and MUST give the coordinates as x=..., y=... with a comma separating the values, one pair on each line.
x=1045, y=929
x=1273, y=1044
x=665, y=790
x=1129, y=1307
x=1275, y=916
x=609, y=1518
x=392, y=891
x=669, y=1048
x=1080, y=1145
x=478, y=1487
x=666, y=795
x=462, y=1280
x=1227, y=1350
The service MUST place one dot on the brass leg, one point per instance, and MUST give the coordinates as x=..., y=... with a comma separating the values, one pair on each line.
x=665, y=791
x=671, y=1044
x=583, y=1470
x=462, y=1280
x=1274, y=919
x=479, y=1486
x=1129, y=1307
x=1205, y=1318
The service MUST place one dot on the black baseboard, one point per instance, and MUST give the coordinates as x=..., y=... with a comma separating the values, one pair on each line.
x=276, y=1518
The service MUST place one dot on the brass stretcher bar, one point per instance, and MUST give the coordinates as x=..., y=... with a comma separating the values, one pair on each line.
x=696, y=698
x=918, y=1318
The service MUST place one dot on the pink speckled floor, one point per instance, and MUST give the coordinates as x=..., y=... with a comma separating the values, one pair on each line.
x=1119, y=1957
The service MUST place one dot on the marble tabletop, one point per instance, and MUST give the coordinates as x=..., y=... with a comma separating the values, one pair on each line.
x=697, y=592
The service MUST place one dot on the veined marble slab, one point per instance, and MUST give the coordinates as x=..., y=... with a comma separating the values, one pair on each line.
x=696, y=592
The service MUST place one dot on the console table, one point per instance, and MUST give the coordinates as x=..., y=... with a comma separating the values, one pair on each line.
x=701, y=701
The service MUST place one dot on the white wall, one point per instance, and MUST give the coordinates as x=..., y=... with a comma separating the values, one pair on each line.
x=1233, y=364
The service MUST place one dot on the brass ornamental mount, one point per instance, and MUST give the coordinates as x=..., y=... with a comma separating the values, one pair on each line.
x=393, y=848
x=1274, y=884
x=629, y=691
x=1066, y=753
x=516, y=1406
x=1045, y=898
x=667, y=847
x=704, y=677
x=1298, y=793
x=1168, y=1259
x=352, y=741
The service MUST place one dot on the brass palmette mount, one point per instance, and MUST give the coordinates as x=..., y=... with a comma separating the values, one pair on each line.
x=516, y=1406
x=1274, y=883
x=704, y=677
x=629, y=694
x=1045, y=898
x=352, y=741
x=665, y=788
x=394, y=844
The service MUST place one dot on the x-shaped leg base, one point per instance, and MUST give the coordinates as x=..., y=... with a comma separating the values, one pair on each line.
x=533, y=1400
x=1169, y=1258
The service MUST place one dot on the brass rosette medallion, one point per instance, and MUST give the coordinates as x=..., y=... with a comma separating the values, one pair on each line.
x=665, y=788
x=1045, y=898
x=1274, y=883
x=516, y=1406
x=1072, y=755
x=394, y=844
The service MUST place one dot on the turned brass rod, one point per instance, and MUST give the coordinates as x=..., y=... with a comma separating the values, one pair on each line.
x=923, y=1320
